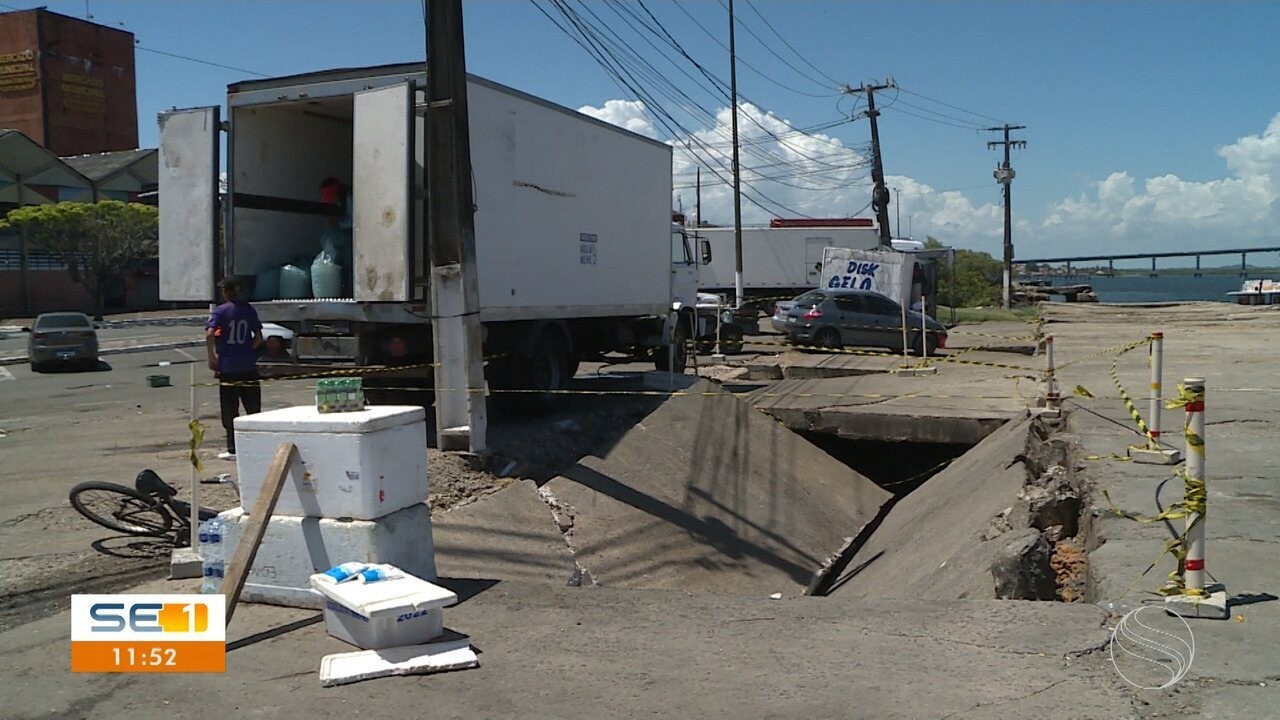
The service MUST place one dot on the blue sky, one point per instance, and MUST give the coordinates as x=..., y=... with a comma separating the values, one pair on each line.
x=1114, y=94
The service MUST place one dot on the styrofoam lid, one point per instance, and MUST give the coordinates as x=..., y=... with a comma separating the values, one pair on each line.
x=306, y=419
x=384, y=597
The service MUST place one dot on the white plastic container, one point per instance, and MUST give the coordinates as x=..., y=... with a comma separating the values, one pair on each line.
x=295, y=548
x=360, y=465
x=386, y=613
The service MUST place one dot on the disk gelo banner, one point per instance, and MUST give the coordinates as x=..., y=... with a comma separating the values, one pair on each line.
x=884, y=271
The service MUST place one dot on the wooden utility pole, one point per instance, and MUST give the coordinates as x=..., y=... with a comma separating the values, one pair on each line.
x=461, y=419
x=1004, y=175
x=738, y=289
x=880, y=194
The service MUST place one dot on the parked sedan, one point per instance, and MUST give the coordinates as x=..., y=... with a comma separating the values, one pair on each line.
x=65, y=338
x=835, y=318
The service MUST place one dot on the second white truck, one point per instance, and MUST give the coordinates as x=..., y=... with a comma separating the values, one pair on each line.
x=782, y=258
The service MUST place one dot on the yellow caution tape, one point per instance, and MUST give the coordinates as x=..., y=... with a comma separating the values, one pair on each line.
x=197, y=437
x=1082, y=391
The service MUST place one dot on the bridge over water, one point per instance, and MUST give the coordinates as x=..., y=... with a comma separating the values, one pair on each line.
x=1111, y=259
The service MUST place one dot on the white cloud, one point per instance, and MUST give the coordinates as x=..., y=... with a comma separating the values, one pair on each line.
x=1169, y=213
x=627, y=114
x=820, y=176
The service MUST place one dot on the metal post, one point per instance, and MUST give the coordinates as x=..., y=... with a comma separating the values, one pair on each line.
x=195, y=475
x=904, y=333
x=1153, y=267
x=924, y=328
x=1050, y=382
x=1197, y=266
x=1244, y=267
x=1157, y=369
x=24, y=275
x=1195, y=473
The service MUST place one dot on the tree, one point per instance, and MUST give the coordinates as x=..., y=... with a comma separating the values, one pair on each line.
x=977, y=277
x=96, y=241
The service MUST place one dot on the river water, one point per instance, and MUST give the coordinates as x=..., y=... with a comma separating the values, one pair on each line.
x=1162, y=288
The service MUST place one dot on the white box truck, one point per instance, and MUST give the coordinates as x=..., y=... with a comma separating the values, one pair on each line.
x=576, y=255
x=784, y=258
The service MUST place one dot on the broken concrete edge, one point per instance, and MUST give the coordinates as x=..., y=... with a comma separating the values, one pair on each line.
x=1213, y=606
x=19, y=359
x=1051, y=511
x=834, y=565
x=562, y=515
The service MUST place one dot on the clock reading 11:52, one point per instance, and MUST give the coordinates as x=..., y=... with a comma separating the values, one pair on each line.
x=134, y=657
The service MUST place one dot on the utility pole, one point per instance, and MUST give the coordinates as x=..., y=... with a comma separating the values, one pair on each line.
x=1004, y=175
x=897, y=209
x=461, y=418
x=880, y=194
x=698, y=200
x=737, y=179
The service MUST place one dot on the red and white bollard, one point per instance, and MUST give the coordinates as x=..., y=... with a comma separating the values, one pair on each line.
x=1196, y=600
x=1051, y=398
x=1153, y=454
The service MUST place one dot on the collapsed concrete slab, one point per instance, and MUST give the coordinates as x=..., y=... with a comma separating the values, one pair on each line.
x=934, y=543
x=707, y=493
x=509, y=535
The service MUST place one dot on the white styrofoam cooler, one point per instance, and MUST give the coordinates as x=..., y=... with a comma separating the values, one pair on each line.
x=294, y=548
x=359, y=465
x=386, y=613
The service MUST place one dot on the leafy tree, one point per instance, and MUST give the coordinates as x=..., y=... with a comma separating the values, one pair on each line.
x=977, y=277
x=96, y=241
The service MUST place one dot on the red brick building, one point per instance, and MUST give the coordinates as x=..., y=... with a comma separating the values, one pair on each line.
x=67, y=83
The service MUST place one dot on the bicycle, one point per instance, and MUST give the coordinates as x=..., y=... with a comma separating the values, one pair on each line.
x=149, y=509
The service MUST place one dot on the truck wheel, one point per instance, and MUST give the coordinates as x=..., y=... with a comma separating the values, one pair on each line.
x=731, y=340
x=545, y=371
x=680, y=357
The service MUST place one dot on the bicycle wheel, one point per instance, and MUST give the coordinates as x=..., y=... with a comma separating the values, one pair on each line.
x=120, y=508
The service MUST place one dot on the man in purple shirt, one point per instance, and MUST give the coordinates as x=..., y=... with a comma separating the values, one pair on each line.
x=231, y=340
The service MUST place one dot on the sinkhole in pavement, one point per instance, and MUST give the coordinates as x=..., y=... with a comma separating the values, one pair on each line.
x=898, y=467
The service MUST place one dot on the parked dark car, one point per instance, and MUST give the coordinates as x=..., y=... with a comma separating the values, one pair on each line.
x=64, y=338
x=835, y=318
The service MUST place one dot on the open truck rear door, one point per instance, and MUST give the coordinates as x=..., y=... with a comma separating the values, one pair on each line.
x=188, y=185
x=382, y=194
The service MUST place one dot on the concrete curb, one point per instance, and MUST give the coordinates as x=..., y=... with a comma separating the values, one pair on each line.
x=19, y=359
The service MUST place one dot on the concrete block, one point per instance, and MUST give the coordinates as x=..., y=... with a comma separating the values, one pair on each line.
x=294, y=548
x=1021, y=568
x=1213, y=607
x=1149, y=456
x=185, y=563
x=360, y=465
x=911, y=371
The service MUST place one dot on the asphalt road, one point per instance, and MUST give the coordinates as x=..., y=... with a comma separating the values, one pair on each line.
x=14, y=342
x=62, y=428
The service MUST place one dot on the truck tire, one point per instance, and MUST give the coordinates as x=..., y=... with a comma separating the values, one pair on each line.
x=731, y=340
x=681, y=355
x=540, y=374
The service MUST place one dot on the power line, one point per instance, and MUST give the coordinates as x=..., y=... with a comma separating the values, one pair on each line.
x=753, y=68
x=202, y=62
x=933, y=119
x=953, y=107
x=820, y=83
x=789, y=45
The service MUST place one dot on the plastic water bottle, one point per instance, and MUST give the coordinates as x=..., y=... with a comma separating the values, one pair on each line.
x=212, y=534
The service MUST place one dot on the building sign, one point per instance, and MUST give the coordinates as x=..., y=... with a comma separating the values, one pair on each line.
x=17, y=71
x=885, y=272
x=83, y=93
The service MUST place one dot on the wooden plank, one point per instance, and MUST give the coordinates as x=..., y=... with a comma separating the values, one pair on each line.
x=247, y=550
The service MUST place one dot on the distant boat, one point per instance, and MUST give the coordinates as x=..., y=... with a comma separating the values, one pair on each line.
x=1257, y=292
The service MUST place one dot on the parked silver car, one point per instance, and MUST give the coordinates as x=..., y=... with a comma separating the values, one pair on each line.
x=835, y=318
x=63, y=338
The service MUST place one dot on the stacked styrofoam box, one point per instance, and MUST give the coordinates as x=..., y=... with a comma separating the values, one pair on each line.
x=357, y=492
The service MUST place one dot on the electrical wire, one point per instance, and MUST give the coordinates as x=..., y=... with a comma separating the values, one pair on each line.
x=202, y=62
x=749, y=65
x=953, y=107
x=784, y=61
x=790, y=47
